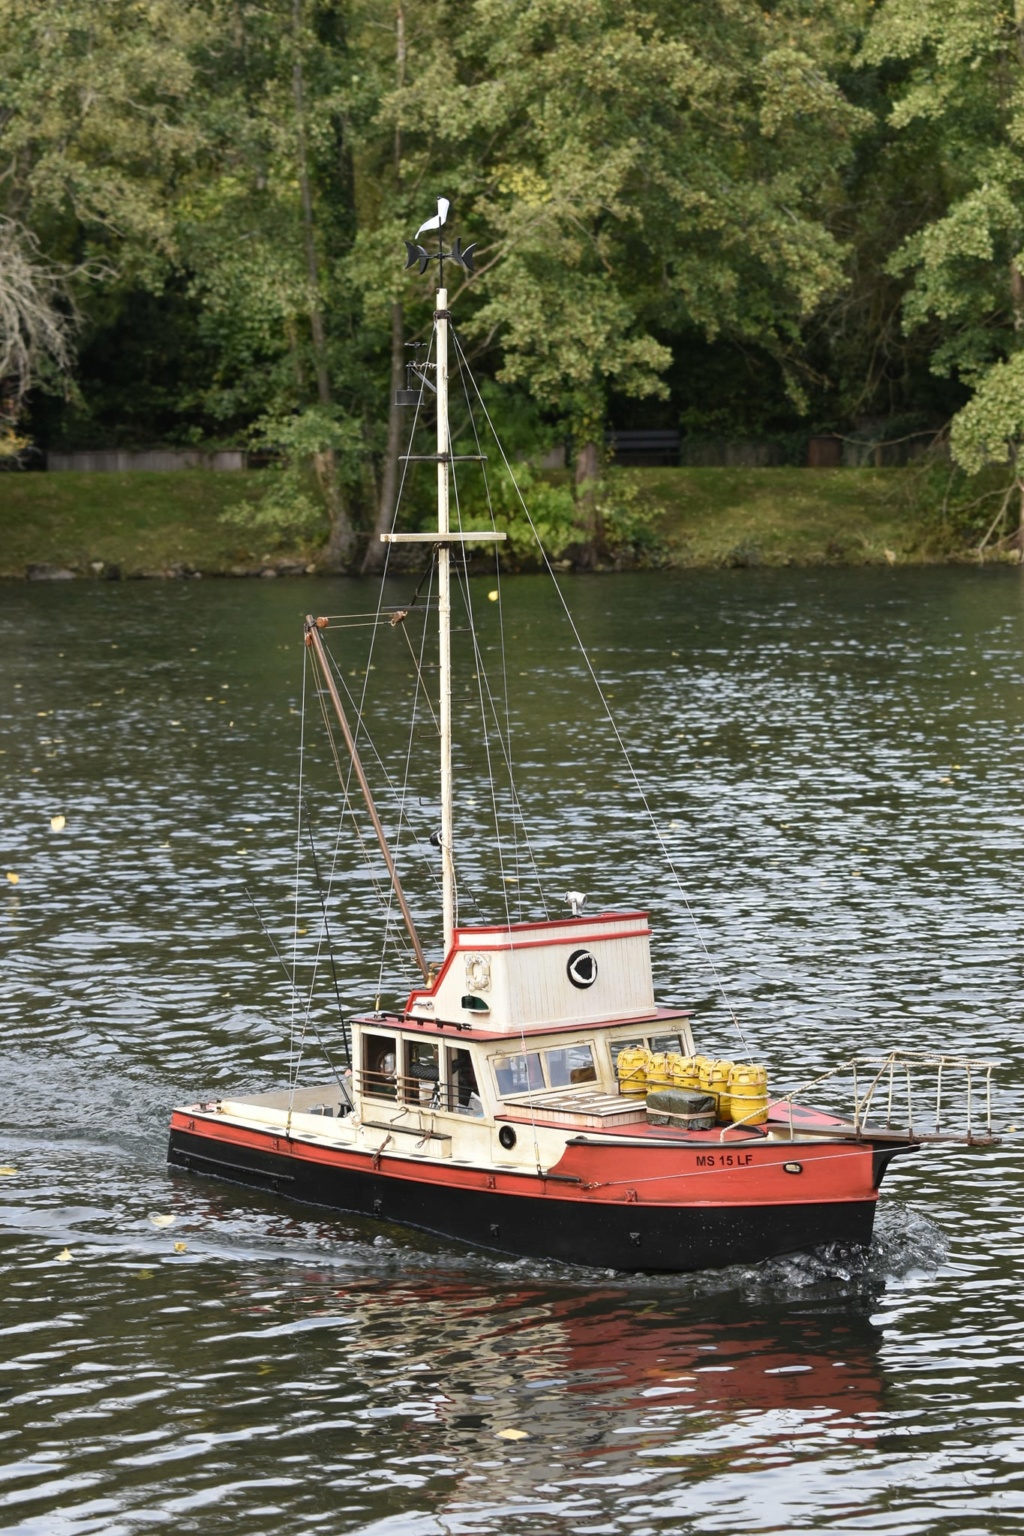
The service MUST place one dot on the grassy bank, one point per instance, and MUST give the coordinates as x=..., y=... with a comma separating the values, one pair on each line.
x=796, y=516
x=166, y=524
x=138, y=524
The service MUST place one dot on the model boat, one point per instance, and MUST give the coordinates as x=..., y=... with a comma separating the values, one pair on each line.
x=529, y=1095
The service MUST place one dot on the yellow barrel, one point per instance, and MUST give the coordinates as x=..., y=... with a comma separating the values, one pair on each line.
x=714, y=1078
x=702, y=1066
x=632, y=1068
x=661, y=1070
x=686, y=1071
x=748, y=1094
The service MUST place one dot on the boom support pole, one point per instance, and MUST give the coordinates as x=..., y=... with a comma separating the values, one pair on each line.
x=313, y=628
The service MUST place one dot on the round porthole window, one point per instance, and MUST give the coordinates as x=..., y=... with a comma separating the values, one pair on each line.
x=507, y=1137
x=581, y=968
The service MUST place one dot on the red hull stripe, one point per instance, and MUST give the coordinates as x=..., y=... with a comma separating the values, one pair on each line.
x=751, y=1176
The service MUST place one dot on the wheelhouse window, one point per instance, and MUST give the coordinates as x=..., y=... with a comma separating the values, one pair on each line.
x=421, y=1077
x=518, y=1074
x=570, y=1064
x=380, y=1075
x=652, y=1043
x=464, y=1094
x=618, y=1046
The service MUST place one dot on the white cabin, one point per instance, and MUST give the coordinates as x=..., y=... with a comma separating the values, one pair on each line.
x=578, y=970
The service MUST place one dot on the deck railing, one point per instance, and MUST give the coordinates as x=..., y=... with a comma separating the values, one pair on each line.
x=416, y=1092
x=920, y=1095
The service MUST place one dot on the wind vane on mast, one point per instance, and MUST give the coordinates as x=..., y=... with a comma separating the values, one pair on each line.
x=419, y=256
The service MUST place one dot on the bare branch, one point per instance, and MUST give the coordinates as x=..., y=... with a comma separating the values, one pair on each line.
x=37, y=317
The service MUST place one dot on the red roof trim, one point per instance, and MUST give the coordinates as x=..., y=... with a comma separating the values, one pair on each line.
x=558, y=922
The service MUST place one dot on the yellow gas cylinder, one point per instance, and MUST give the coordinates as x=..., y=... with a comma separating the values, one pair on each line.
x=632, y=1067
x=686, y=1072
x=702, y=1066
x=748, y=1094
x=660, y=1070
x=714, y=1078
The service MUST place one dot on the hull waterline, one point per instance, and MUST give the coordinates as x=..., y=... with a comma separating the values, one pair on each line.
x=550, y=1218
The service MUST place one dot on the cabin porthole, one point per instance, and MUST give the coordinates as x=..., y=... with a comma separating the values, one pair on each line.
x=792, y=1167
x=507, y=1137
x=581, y=968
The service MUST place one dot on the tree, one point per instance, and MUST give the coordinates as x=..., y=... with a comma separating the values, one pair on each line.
x=262, y=223
x=964, y=90
x=91, y=132
x=639, y=168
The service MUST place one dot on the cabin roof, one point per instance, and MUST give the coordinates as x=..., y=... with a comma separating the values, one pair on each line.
x=455, y=1031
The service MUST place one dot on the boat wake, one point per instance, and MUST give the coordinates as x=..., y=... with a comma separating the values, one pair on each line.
x=905, y=1243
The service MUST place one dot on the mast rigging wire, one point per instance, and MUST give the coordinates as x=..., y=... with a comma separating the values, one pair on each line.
x=605, y=705
x=270, y=940
x=327, y=932
x=518, y=820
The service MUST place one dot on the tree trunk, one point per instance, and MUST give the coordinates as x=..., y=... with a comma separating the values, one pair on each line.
x=342, y=535
x=373, y=560
x=586, y=552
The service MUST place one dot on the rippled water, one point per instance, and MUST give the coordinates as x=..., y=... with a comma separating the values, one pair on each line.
x=836, y=759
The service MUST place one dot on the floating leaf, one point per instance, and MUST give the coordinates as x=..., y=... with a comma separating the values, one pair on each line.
x=12, y=877
x=57, y=823
x=512, y=1434
x=162, y=1221
x=64, y=1257
x=7, y=1173
x=181, y=1247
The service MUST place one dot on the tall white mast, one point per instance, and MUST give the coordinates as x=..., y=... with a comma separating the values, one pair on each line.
x=444, y=606
x=444, y=538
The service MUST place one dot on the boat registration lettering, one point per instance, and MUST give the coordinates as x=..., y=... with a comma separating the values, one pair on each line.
x=724, y=1159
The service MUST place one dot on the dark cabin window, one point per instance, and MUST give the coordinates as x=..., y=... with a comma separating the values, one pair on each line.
x=380, y=1074
x=421, y=1078
x=464, y=1094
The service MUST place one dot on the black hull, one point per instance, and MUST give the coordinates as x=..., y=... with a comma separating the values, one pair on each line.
x=618, y=1236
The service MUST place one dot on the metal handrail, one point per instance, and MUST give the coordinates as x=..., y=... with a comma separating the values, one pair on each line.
x=882, y=1070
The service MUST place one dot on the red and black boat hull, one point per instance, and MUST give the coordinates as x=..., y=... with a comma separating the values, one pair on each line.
x=555, y=1217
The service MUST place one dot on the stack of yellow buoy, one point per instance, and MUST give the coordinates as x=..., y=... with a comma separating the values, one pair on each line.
x=740, y=1090
x=632, y=1068
x=669, y=1069
x=748, y=1094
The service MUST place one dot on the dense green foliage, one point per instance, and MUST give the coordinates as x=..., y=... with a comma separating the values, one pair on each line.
x=741, y=220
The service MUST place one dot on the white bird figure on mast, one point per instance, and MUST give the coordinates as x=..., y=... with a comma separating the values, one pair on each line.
x=438, y=220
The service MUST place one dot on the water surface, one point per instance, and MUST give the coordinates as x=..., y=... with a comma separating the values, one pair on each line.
x=835, y=761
